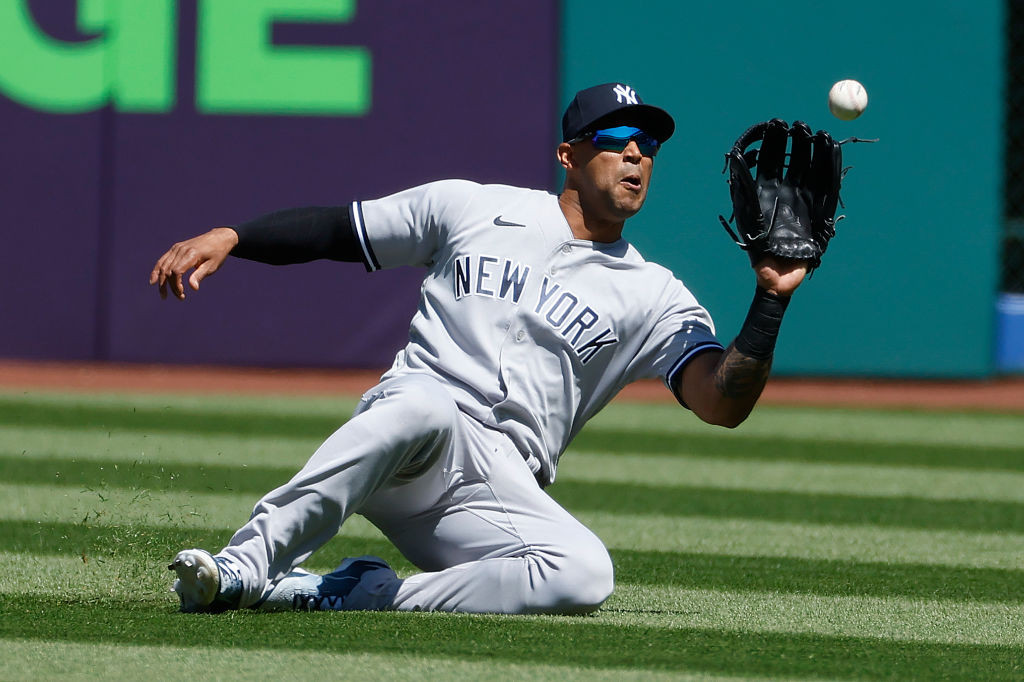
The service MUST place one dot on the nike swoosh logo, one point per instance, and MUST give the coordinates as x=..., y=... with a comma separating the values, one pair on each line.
x=502, y=223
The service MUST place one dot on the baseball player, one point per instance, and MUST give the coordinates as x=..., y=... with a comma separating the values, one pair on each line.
x=534, y=313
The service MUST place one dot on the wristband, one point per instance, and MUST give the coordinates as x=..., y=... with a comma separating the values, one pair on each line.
x=761, y=328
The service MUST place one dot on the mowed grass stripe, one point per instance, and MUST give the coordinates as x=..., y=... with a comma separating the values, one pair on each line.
x=166, y=448
x=556, y=641
x=690, y=570
x=973, y=429
x=746, y=537
x=156, y=545
x=189, y=511
x=806, y=477
x=913, y=427
x=69, y=581
x=635, y=498
x=993, y=454
x=895, y=618
x=119, y=507
x=806, y=449
x=185, y=443
x=792, y=506
x=252, y=404
x=68, y=660
x=135, y=467
x=144, y=474
x=817, y=576
x=168, y=419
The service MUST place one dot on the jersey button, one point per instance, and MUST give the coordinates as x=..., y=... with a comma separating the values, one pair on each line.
x=520, y=335
x=566, y=248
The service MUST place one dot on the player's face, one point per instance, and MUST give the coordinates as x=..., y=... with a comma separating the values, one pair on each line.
x=612, y=184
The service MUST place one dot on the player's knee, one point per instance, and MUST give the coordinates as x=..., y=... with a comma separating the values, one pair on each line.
x=583, y=579
x=595, y=578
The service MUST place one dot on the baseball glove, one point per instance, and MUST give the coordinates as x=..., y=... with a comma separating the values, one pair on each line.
x=789, y=209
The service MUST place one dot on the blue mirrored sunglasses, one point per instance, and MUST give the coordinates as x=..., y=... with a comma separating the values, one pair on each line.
x=616, y=139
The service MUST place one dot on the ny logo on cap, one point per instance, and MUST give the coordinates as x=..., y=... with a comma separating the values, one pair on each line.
x=625, y=92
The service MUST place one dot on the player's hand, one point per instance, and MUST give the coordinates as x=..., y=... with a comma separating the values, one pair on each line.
x=780, y=276
x=204, y=253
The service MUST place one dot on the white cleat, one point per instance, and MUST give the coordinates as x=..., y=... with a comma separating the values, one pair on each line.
x=199, y=582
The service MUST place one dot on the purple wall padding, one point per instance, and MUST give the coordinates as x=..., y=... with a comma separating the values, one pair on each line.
x=460, y=89
x=50, y=206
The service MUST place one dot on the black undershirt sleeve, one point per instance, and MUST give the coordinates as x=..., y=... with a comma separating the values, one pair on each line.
x=299, y=235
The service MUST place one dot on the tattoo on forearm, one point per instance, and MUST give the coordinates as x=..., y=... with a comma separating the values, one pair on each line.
x=739, y=376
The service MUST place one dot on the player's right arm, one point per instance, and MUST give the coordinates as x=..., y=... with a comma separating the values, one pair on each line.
x=296, y=235
x=401, y=229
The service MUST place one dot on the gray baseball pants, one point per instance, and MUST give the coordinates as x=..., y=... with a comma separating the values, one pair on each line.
x=455, y=497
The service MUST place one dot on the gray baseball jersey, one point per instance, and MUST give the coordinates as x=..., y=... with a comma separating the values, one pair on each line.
x=533, y=330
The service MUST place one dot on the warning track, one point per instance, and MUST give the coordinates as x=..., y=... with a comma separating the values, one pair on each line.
x=1001, y=395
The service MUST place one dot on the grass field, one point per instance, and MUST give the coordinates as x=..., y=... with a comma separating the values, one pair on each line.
x=808, y=544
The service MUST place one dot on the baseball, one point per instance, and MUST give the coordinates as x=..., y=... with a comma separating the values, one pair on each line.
x=847, y=100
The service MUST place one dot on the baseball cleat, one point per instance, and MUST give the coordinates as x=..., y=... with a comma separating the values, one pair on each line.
x=336, y=591
x=204, y=583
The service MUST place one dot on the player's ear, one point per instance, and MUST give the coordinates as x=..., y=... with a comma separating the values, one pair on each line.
x=565, y=155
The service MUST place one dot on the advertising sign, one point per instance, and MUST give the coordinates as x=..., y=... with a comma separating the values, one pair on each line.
x=134, y=124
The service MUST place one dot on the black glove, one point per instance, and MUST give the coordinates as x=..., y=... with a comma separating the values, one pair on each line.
x=789, y=209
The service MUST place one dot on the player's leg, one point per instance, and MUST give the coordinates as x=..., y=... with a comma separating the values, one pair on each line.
x=492, y=540
x=399, y=429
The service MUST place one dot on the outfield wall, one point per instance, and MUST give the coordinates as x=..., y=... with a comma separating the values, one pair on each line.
x=131, y=125
x=111, y=157
x=908, y=287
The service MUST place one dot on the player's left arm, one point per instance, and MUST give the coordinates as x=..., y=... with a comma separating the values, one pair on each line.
x=722, y=387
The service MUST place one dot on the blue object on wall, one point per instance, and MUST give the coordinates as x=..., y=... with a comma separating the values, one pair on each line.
x=1010, y=332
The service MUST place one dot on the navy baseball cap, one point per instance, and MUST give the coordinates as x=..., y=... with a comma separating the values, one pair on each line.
x=614, y=104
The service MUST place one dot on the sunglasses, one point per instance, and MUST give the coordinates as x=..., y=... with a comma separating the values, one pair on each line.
x=616, y=139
